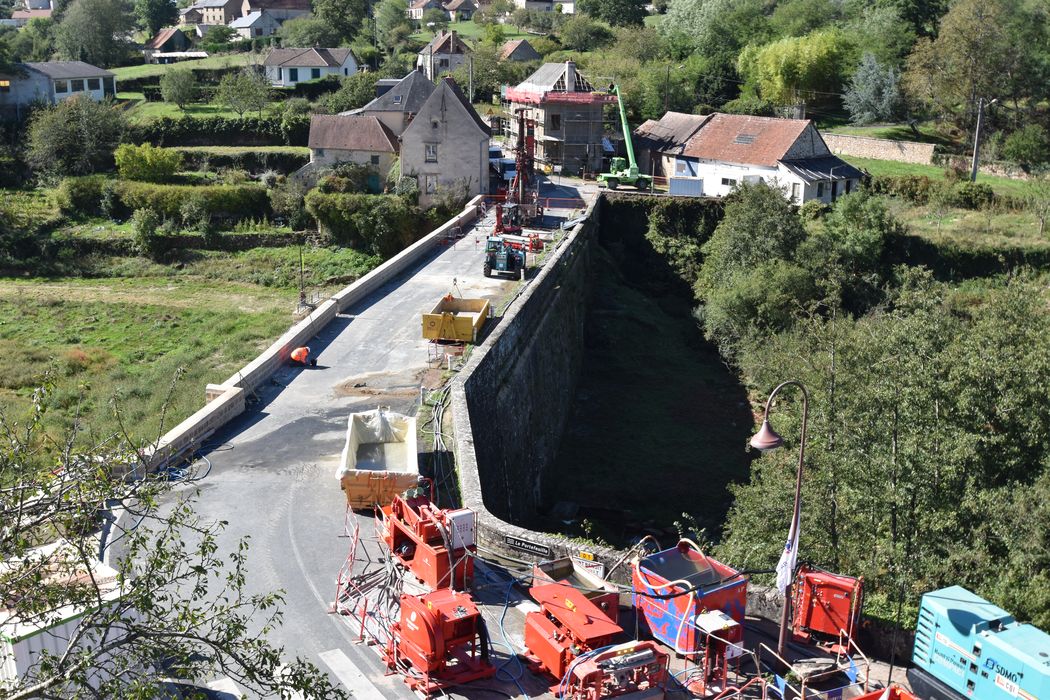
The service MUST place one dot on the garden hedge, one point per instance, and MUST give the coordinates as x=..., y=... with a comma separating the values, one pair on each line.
x=228, y=202
x=222, y=131
x=378, y=224
x=253, y=161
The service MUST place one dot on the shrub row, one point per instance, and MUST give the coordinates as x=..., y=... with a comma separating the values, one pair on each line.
x=222, y=131
x=378, y=224
x=253, y=161
x=203, y=94
x=204, y=76
x=94, y=194
x=922, y=190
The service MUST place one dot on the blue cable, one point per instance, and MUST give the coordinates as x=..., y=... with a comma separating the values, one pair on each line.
x=515, y=679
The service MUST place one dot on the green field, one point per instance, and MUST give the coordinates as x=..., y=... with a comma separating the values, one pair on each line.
x=1002, y=185
x=139, y=110
x=469, y=30
x=928, y=133
x=111, y=345
x=148, y=70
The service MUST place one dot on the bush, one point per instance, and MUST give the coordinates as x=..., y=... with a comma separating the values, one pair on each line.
x=283, y=162
x=917, y=189
x=147, y=162
x=144, y=223
x=813, y=210
x=233, y=202
x=750, y=105
x=287, y=202
x=378, y=224
x=1028, y=146
x=222, y=131
x=966, y=195
x=80, y=194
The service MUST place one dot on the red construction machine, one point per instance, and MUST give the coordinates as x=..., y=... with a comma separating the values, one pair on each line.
x=439, y=640
x=436, y=545
x=721, y=639
x=826, y=608
x=571, y=639
x=639, y=668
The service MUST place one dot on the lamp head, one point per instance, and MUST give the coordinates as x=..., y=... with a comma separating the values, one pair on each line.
x=766, y=438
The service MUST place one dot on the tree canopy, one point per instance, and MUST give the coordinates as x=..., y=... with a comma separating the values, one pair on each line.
x=95, y=31
x=75, y=137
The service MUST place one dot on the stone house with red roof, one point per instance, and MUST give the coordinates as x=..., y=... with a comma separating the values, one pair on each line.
x=445, y=52
x=352, y=138
x=709, y=155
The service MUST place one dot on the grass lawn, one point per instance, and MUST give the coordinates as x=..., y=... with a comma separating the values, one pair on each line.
x=235, y=150
x=971, y=229
x=119, y=339
x=469, y=30
x=897, y=132
x=147, y=70
x=1002, y=185
x=142, y=111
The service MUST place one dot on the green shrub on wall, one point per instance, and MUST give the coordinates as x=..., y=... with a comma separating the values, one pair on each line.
x=84, y=195
x=378, y=224
x=147, y=162
x=222, y=131
x=253, y=161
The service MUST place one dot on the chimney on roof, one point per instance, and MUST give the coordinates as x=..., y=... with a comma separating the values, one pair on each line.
x=570, y=76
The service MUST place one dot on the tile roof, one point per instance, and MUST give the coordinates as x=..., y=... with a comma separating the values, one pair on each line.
x=301, y=5
x=210, y=3
x=459, y=4
x=248, y=20
x=446, y=42
x=407, y=96
x=745, y=139
x=161, y=38
x=528, y=53
x=68, y=69
x=424, y=4
x=670, y=133
x=822, y=168
x=30, y=14
x=357, y=132
x=308, y=58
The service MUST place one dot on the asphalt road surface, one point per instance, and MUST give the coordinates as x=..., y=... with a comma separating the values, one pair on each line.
x=272, y=473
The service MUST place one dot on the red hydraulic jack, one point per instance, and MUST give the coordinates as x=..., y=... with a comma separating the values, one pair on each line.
x=827, y=608
x=570, y=640
x=436, y=545
x=720, y=642
x=442, y=639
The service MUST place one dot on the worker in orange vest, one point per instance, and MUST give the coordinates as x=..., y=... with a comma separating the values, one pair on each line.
x=301, y=356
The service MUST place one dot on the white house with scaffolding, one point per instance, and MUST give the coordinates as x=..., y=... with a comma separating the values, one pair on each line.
x=568, y=114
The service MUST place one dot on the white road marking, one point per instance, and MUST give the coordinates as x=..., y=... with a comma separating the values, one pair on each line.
x=226, y=685
x=350, y=676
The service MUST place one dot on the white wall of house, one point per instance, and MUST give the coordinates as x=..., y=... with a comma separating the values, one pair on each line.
x=719, y=179
x=443, y=63
x=287, y=76
x=264, y=26
x=380, y=160
x=93, y=87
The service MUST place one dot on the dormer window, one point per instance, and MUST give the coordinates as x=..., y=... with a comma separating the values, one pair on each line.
x=397, y=99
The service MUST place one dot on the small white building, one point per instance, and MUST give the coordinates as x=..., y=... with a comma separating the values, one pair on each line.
x=286, y=67
x=255, y=25
x=50, y=82
x=710, y=155
x=445, y=52
x=416, y=8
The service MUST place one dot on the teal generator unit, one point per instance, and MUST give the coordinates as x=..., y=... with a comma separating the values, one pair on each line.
x=965, y=647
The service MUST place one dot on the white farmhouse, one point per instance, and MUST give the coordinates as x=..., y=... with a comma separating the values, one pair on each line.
x=286, y=67
x=51, y=82
x=710, y=155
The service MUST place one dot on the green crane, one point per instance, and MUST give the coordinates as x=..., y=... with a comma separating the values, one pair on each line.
x=624, y=172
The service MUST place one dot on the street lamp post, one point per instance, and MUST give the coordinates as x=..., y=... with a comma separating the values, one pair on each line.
x=767, y=439
x=977, y=137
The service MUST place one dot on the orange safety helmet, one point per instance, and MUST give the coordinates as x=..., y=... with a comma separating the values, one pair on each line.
x=300, y=354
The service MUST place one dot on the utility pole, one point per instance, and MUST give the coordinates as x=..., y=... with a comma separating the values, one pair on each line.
x=977, y=137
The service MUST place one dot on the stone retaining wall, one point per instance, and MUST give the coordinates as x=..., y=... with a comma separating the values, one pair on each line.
x=226, y=401
x=511, y=400
x=880, y=149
